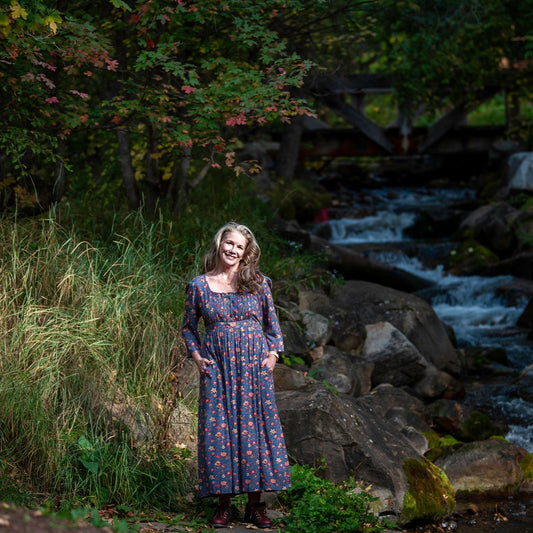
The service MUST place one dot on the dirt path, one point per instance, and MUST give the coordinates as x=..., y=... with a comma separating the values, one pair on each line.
x=19, y=520
x=506, y=517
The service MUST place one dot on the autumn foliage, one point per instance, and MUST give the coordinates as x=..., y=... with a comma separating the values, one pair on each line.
x=155, y=85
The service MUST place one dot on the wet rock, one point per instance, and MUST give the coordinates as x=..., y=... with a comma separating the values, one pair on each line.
x=435, y=225
x=516, y=290
x=489, y=467
x=525, y=320
x=520, y=171
x=481, y=360
x=353, y=265
x=472, y=258
x=519, y=265
x=491, y=226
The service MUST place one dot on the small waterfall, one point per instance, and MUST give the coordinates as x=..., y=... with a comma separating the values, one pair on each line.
x=384, y=226
x=473, y=305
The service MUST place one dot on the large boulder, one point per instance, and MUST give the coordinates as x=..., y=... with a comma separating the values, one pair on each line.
x=491, y=467
x=525, y=320
x=492, y=226
x=361, y=302
x=396, y=360
x=354, y=439
x=346, y=372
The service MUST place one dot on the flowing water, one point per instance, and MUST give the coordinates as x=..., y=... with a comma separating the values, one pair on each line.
x=481, y=310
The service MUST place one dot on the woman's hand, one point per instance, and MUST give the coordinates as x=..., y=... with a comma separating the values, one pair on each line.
x=270, y=362
x=201, y=362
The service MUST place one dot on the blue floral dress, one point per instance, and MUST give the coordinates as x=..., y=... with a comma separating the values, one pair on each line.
x=240, y=440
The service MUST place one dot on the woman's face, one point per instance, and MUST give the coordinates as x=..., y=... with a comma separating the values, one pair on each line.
x=232, y=248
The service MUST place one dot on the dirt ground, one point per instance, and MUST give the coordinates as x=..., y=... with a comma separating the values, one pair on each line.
x=504, y=517
x=19, y=520
x=513, y=516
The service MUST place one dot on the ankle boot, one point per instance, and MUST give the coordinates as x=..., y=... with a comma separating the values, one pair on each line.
x=256, y=514
x=223, y=515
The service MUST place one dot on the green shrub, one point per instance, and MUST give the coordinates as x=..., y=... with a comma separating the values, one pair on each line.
x=315, y=505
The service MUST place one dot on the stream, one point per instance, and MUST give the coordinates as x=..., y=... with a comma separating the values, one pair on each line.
x=482, y=311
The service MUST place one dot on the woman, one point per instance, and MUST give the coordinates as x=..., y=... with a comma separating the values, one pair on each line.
x=240, y=441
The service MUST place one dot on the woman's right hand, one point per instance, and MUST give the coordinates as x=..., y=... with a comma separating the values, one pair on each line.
x=201, y=362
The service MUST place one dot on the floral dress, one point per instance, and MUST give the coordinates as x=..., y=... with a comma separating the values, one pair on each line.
x=240, y=440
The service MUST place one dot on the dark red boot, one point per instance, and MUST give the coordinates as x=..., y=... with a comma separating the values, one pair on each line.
x=223, y=515
x=256, y=514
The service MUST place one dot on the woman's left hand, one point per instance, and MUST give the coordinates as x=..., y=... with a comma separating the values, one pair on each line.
x=270, y=362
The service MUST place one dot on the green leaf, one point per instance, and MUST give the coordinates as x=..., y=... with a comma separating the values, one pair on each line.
x=92, y=466
x=120, y=4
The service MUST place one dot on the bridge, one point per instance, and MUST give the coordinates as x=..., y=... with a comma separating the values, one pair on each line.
x=449, y=135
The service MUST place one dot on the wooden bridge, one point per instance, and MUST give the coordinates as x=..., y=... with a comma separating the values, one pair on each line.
x=449, y=135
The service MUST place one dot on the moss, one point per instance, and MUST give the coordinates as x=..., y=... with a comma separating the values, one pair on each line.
x=430, y=495
x=527, y=466
x=433, y=454
x=473, y=253
x=432, y=438
x=478, y=426
x=449, y=440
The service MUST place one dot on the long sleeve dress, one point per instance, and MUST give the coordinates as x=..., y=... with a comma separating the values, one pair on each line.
x=240, y=440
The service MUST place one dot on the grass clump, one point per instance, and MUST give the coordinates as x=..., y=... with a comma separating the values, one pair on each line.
x=84, y=330
x=315, y=505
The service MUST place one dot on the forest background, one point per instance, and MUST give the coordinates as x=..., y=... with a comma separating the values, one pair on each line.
x=122, y=122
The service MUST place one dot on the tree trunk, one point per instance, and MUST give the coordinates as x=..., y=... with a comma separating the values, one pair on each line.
x=59, y=184
x=177, y=191
x=287, y=158
x=152, y=179
x=128, y=174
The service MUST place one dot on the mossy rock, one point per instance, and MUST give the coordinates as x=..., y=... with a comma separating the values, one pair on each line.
x=449, y=440
x=478, y=426
x=434, y=450
x=430, y=495
x=527, y=466
x=472, y=256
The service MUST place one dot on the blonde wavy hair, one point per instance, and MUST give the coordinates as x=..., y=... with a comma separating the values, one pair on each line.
x=249, y=278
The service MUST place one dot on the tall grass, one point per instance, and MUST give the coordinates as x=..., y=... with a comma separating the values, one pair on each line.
x=82, y=331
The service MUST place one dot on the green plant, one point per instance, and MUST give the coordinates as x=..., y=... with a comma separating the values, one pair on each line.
x=315, y=505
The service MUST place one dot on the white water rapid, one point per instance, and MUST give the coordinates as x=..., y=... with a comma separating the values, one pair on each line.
x=474, y=306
